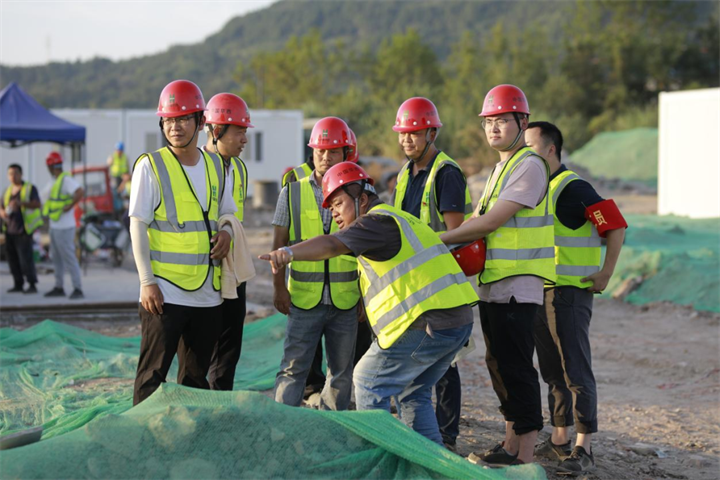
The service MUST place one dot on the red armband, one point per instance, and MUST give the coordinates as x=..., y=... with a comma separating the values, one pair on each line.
x=605, y=216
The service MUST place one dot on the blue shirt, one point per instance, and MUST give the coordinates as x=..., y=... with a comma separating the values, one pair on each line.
x=450, y=187
x=574, y=199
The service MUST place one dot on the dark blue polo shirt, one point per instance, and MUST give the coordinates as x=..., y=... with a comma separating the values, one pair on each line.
x=574, y=199
x=449, y=188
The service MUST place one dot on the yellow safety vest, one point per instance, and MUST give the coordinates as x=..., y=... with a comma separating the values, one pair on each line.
x=119, y=165
x=53, y=208
x=578, y=252
x=32, y=218
x=429, y=213
x=525, y=245
x=423, y=276
x=307, y=279
x=180, y=232
x=299, y=172
x=239, y=186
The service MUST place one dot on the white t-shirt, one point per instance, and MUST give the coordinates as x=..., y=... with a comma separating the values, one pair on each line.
x=69, y=187
x=145, y=197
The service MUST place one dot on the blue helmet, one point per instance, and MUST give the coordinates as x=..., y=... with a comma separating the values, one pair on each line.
x=120, y=146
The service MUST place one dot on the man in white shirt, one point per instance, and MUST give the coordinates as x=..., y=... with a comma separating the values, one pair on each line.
x=175, y=203
x=62, y=195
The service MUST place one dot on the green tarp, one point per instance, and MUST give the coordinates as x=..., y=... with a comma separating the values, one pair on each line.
x=630, y=155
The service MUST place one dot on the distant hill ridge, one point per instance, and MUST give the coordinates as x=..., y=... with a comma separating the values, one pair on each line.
x=135, y=83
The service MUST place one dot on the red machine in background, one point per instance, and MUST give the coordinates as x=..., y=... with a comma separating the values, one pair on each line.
x=99, y=214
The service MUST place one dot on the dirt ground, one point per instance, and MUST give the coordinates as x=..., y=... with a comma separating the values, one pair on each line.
x=658, y=373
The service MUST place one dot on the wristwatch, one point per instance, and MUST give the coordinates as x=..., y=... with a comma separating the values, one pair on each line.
x=289, y=251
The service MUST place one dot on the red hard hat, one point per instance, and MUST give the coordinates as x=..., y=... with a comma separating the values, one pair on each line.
x=342, y=174
x=329, y=133
x=470, y=257
x=179, y=98
x=228, y=109
x=504, y=99
x=415, y=114
x=353, y=155
x=54, y=158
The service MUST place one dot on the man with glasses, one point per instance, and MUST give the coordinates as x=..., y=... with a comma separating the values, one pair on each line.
x=515, y=217
x=175, y=203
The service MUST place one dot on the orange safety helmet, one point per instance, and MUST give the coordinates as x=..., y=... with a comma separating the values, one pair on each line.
x=353, y=154
x=416, y=114
x=470, y=257
x=53, y=158
x=344, y=173
x=178, y=98
x=505, y=99
x=329, y=133
x=228, y=109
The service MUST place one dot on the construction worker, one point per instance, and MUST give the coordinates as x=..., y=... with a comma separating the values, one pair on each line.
x=227, y=119
x=416, y=297
x=175, y=203
x=20, y=211
x=515, y=216
x=118, y=164
x=321, y=298
x=562, y=326
x=440, y=198
x=62, y=196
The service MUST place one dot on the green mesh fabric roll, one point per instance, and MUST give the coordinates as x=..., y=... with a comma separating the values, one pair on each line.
x=183, y=433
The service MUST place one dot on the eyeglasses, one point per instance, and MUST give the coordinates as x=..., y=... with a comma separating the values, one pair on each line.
x=180, y=121
x=498, y=122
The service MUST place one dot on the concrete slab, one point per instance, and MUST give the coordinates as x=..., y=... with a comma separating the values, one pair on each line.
x=102, y=285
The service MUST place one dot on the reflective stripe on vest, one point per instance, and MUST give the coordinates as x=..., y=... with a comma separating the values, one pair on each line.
x=423, y=276
x=53, y=208
x=239, y=186
x=180, y=232
x=32, y=217
x=119, y=165
x=307, y=279
x=578, y=253
x=429, y=213
x=299, y=172
x=524, y=245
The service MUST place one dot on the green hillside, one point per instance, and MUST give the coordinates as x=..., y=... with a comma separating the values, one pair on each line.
x=135, y=83
x=631, y=155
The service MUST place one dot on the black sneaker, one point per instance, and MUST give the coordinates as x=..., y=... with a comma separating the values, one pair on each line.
x=579, y=461
x=55, y=292
x=497, y=456
x=30, y=289
x=549, y=450
x=76, y=294
x=450, y=445
x=15, y=289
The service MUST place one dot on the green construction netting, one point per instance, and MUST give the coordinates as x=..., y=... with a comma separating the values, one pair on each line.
x=678, y=259
x=182, y=433
x=61, y=376
x=630, y=155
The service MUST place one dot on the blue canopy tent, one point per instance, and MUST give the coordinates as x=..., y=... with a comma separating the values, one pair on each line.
x=23, y=120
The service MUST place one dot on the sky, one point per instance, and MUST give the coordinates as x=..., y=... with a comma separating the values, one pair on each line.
x=37, y=32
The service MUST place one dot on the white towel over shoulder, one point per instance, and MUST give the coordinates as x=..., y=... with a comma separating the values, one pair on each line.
x=237, y=266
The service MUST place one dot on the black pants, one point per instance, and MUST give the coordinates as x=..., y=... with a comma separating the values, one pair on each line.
x=227, y=350
x=508, y=333
x=562, y=339
x=20, y=258
x=198, y=330
x=448, y=391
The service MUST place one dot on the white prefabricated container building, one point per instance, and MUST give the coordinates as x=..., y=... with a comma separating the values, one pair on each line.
x=274, y=144
x=689, y=153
